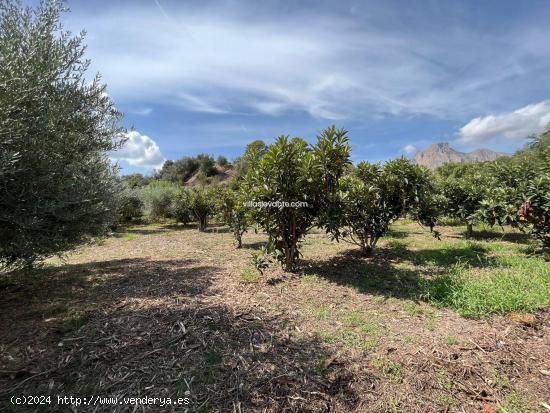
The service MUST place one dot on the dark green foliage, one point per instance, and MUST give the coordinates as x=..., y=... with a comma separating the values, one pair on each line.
x=202, y=206
x=522, y=197
x=178, y=171
x=181, y=170
x=222, y=161
x=252, y=155
x=134, y=181
x=231, y=205
x=464, y=187
x=181, y=206
x=206, y=164
x=373, y=197
x=130, y=206
x=57, y=187
x=295, y=173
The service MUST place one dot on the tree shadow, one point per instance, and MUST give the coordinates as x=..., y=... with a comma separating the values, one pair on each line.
x=376, y=275
x=217, y=229
x=515, y=237
x=58, y=299
x=381, y=275
x=194, y=347
x=254, y=245
x=474, y=255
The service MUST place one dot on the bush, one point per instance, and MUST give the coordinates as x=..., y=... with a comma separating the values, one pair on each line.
x=373, y=197
x=464, y=195
x=181, y=207
x=206, y=164
x=202, y=206
x=130, y=206
x=57, y=186
x=231, y=205
x=222, y=161
x=158, y=198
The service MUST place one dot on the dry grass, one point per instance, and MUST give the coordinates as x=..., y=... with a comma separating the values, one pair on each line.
x=162, y=311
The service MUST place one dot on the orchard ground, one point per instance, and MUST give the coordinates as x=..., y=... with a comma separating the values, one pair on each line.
x=160, y=310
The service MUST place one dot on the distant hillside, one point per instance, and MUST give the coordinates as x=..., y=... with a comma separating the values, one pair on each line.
x=222, y=176
x=441, y=153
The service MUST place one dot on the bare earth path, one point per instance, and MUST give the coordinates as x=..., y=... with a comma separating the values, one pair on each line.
x=163, y=312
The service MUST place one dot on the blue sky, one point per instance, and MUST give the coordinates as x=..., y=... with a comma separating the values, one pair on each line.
x=211, y=76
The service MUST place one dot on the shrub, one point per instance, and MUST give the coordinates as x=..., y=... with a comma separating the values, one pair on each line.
x=373, y=197
x=222, y=161
x=464, y=196
x=130, y=206
x=57, y=186
x=202, y=206
x=181, y=207
x=234, y=213
x=158, y=198
x=206, y=164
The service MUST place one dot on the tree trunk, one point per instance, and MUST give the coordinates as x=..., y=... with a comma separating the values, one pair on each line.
x=239, y=239
x=202, y=224
x=469, y=230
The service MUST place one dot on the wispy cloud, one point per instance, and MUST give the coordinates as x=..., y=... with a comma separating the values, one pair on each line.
x=220, y=60
x=516, y=125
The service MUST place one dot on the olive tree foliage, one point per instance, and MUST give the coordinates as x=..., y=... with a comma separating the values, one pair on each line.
x=130, y=205
x=158, y=200
x=293, y=182
x=372, y=197
x=57, y=186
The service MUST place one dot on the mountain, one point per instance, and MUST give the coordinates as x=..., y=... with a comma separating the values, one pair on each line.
x=440, y=153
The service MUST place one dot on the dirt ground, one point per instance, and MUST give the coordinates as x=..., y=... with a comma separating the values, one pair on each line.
x=162, y=311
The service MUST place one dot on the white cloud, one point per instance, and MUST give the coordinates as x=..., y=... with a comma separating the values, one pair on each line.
x=410, y=149
x=140, y=150
x=516, y=125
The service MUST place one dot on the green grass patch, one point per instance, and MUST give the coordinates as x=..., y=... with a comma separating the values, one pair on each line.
x=523, y=285
x=391, y=369
x=250, y=275
x=310, y=279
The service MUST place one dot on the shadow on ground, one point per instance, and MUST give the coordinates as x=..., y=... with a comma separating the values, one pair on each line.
x=155, y=328
x=381, y=274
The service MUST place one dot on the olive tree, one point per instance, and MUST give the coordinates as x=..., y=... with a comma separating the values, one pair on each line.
x=290, y=185
x=57, y=185
x=374, y=196
x=158, y=199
